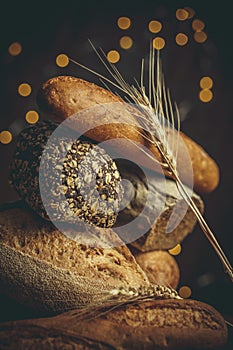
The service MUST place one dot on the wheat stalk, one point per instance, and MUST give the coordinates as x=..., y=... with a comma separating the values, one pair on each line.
x=156, y=110
x=117, y=298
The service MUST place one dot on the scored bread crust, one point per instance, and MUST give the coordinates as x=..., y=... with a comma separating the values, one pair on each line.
x=65, y=95
x=41, y=267
x=157, y=324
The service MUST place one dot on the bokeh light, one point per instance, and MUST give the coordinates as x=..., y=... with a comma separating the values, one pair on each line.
x=155, y=26
x=198, y=25
x=185, y=292
x=200, y=37
x=113, y=56
x=158, y=43
x=124, y=23
x=205, y=95
x=181, y=39
x=175, y=250
x=32, y=117
x=62, y=60
x=5, y=137
x=15, y=49
x=190, y=10
x=182, y=14
x=206, y=83
x=24, y=89
x=126, y=42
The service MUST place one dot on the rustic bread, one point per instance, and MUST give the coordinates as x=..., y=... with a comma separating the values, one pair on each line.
x=166, y=197
x=157, y=324
x=65, y=95
x=78, y=182
x=42, y=268
x=159, y=266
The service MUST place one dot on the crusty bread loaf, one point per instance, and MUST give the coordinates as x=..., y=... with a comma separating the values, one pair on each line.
x=77, y=180
x=42, y=268
x=64, y=95
x=159, y=266
x=148, y=206
x=158, y=324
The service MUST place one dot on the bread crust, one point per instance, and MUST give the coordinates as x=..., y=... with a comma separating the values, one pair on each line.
x=46, y=270
x=156, y=324
x=65, y=95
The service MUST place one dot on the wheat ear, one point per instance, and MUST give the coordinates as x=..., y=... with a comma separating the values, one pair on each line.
x=116, y=298
x=155, y=110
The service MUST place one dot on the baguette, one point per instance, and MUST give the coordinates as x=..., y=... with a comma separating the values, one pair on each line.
x=65, y=95
x=42, y=268
x=157, y=324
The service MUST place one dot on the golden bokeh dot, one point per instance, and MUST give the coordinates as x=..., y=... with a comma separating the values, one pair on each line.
x=5, y=137
x=175, y=250
x=15, y=49
x=158, y=43
x=198, y=25
x=124, y=23
x=191, y=12
x=200, y=37
x=126, y=42
x=155, y=26
x=206, y=83
x=205, y=95
x=185, y=292
x=24, y=89
x=182, y=14
x=62, y=60
x=113, y=56
x=181, y=39
x=32, y=117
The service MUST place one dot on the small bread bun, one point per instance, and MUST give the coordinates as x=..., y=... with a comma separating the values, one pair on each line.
x=159, y=266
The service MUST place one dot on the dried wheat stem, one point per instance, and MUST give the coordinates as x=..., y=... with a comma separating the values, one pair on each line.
x=153, y=122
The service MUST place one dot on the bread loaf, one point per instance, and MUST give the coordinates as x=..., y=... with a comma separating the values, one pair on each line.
x=65, y=179
x=44, y=269
x=147, y=205
x=157, y=324
x=159, y=266
x=64, y=95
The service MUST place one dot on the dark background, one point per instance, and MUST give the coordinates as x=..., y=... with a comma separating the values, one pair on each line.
x=46, y=29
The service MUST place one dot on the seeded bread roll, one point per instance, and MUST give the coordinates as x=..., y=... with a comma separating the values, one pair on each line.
x=154, y=209
x=158, y=324
x=64, y=95
x=159, y=266
x=78, y=180
x=42, y=268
